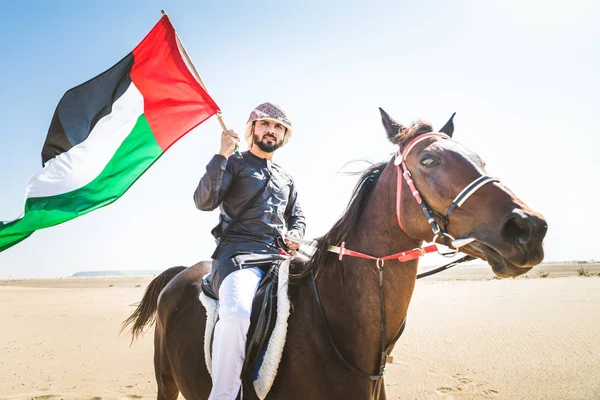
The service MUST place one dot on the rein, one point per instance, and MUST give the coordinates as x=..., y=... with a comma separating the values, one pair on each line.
x=455, y=244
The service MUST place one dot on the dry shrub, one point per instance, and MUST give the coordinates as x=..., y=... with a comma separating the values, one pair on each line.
x=583, y=271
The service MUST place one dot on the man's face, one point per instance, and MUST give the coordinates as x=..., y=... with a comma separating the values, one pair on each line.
x=268, y=135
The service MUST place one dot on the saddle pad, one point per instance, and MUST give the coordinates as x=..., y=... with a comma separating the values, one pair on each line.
x=272, y=356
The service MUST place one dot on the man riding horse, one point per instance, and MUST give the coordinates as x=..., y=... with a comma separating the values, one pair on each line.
x=348, y=308
x=259, y=207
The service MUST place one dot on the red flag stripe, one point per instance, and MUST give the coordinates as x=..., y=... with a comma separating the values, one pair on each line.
x=174, y=101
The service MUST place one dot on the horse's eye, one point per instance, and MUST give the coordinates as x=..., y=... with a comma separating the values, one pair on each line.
x=429, y=161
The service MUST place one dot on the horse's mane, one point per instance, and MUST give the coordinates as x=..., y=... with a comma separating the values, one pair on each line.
x=355, y=207
x=349, y=218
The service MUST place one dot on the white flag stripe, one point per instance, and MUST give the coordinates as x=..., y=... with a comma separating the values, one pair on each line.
x=80, y=165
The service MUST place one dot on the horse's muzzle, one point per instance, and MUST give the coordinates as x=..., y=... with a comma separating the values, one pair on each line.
x=516, y=247
x=524, y=232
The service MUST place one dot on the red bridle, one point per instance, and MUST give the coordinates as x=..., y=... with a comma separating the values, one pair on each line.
x=403, y=172
x=401, y=161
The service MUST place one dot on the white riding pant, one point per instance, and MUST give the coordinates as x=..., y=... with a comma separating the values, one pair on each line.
x=229, y=344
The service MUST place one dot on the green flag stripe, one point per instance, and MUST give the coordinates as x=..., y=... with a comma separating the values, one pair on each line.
x=135, y=155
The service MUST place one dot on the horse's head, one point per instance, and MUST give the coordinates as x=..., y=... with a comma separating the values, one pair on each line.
x=466, y=203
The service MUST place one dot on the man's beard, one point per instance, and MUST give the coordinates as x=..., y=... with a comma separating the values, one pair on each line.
x=269, y=148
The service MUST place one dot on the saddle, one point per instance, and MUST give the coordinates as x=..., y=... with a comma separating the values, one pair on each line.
x=262, y=323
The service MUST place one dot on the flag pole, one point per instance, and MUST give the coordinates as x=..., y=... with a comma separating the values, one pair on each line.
x=201, y=82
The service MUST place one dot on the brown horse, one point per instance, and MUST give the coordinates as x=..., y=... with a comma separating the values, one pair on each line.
x=508, y=235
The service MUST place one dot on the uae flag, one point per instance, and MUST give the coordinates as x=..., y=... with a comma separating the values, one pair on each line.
x=108, y=131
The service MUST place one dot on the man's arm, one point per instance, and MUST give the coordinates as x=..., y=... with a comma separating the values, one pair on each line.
x=294, y=217
x=217, y=179
x=213, y=185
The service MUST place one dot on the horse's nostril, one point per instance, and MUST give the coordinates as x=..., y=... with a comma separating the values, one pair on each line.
x=540, y=227
x=516, y=230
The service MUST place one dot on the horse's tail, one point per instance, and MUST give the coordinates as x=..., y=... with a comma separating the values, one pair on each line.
x=145, y=313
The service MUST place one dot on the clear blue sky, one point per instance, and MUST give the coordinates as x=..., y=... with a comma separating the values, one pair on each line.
x=522, y=77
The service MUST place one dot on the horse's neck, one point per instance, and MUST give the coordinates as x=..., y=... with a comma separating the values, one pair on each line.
x=351, y=290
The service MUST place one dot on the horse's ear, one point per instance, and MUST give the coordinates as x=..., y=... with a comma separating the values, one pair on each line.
x=448, y=128
x=393, y=128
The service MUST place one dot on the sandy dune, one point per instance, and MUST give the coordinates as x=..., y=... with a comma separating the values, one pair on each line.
x=467, y=338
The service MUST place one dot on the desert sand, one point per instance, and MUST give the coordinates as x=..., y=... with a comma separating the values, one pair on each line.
x=468, y=336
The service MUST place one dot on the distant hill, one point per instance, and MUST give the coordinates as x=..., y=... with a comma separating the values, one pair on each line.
x=90, y=274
